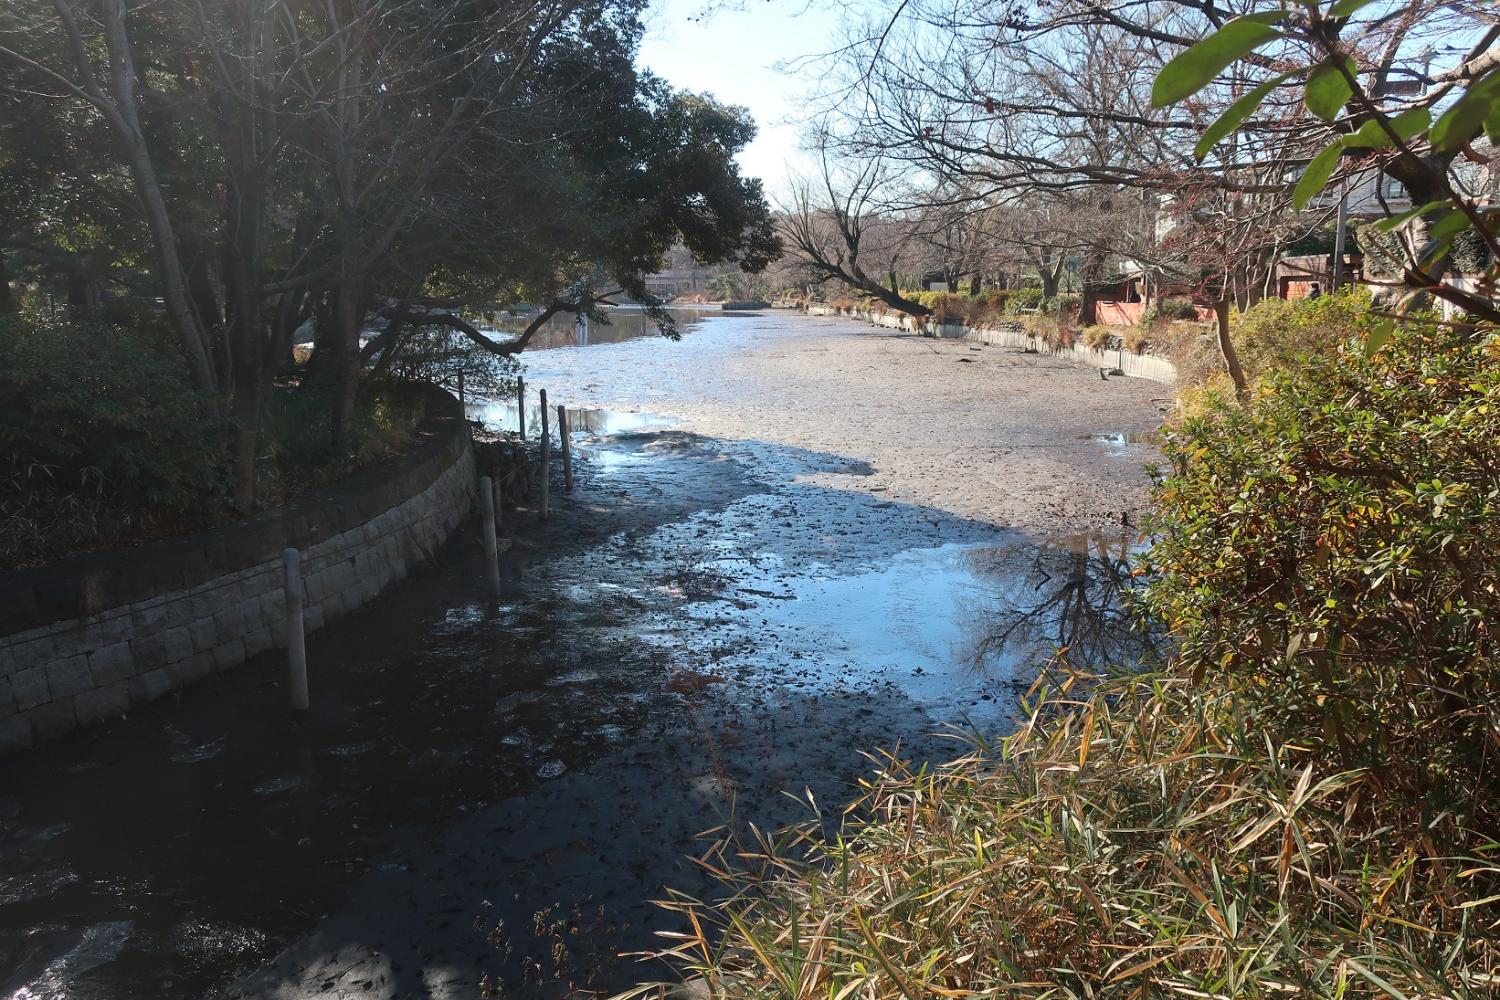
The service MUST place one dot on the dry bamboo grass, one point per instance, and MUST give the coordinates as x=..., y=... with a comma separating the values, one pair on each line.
x=1142, y=838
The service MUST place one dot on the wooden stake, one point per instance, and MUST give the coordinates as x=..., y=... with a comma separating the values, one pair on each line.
x=567, y=447
x=491, y=549
x=296, y=644
x=546, y=455
x=521, y=406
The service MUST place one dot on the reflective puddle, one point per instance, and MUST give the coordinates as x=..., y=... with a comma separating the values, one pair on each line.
x=958, y=629
x=1127, y=443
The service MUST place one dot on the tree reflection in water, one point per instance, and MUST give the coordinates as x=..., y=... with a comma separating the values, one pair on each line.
x=615, y=326
x=1068, y=601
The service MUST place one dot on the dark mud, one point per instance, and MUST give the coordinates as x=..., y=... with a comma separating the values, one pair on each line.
x=494, y=791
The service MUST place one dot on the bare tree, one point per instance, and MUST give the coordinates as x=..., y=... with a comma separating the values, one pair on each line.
x=837, y=229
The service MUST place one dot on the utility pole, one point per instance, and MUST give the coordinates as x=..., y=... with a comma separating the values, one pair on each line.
x=1338, y=236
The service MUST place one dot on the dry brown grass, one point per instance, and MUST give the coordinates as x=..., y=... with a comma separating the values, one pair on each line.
x=1143, y=840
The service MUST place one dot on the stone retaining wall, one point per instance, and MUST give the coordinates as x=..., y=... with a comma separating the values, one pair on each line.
x=1139, y=365
x=88, y=638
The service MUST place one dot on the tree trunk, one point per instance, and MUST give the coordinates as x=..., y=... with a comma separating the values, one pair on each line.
x=1088, y=303
x=1049, y=283
x=975, y=284
x=349, y=316
x=1226, y=347
x=153, y=202
x=246, y=440
x=7, y=300
x=83, y=292
x=210, y=314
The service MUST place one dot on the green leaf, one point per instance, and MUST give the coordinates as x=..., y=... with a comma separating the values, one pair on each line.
x=1328, y=89
x=1469, y=115
x=1401, y=219
x=1412, y=121
x=1344, y=8
x=1233, y=116
x=1449, y=226
x=1378, y=335
x=1442, y=234
x=1316, y=175
x=1192, y=69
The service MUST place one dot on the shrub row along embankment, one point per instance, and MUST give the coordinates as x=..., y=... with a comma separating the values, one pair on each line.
x=1128, y=362
x=87, y=638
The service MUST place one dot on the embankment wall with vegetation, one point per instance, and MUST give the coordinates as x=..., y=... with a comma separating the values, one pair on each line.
x=1138, y=365
x=88, y=638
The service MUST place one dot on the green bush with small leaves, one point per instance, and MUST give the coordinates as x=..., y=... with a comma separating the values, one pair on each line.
x=1024, y=300
x=1167, y=311
x=104, y=440
x=1328, y=551
x=1274, y=333
x=1064, y=307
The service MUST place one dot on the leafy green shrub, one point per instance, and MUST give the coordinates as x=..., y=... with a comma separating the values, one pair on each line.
x=1276, y=332
x=104, y=440
x=994, y=299
x=1023, y=300
x=101, y=435
x=947, y=307
x=1382, y=251
x=1167, y=311
x=297, y=453
x=1469, y=253
x=1328, y=552
x=1318, y=242
x=959, y=307
x=1061, y=306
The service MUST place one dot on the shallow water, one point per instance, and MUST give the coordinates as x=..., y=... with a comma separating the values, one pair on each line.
x=690, y=586
x=1130, y=444
x=624, y=323
x=504, y=416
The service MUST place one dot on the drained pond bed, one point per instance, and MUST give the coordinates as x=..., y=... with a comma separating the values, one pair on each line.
x=496, y=790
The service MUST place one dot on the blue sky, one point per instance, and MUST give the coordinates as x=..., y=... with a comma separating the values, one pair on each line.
x=733, y=54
